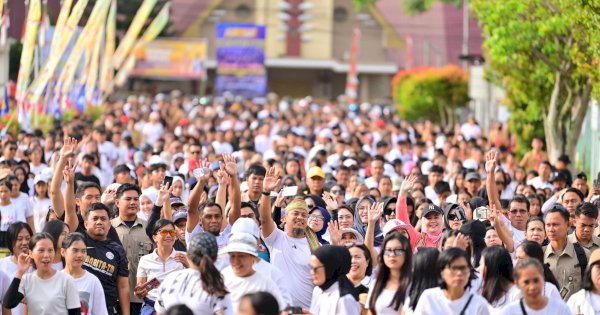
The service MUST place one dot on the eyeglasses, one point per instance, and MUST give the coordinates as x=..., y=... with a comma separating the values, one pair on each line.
x=458, y=269
x=395, y=252
x=499, y=182
x=315, y=268
x=164, y=233
x=316, y=217
x=518, y=211
x=336, y=191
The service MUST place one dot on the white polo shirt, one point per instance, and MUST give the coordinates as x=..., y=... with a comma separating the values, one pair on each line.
x=152, y=266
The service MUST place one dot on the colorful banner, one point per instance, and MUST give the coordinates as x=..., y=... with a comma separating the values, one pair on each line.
x=107, y=73
x=60, y=24
x=171, y=59
x=241, y=60
x=92, y=75
x=34, y=15
x=132, y=33
x=49, y=69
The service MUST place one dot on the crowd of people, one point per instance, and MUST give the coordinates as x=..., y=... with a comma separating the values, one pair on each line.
x=169, y=205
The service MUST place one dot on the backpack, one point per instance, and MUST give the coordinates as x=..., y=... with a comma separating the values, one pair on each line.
x=581, y=257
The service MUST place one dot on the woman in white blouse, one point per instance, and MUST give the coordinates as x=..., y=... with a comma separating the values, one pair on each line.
x=452, y=296
x=333, y=292
x=156, y=265
x=587, y=300
x=497, y=273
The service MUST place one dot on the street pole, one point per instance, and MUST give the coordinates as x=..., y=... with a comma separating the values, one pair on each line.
x=465, y=42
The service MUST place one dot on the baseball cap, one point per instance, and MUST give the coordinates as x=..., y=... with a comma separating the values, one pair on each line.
x=39, y=178
x=594, y=258
x=157, y=160
x=241, y=243
x=396, y=183
x=472, y=176
x=432, y=208
x=359, y=238
x=315, y=171
x=176, y=201
x=179, y=215
x=245, y=225
x=393, y=225
x=203, y=244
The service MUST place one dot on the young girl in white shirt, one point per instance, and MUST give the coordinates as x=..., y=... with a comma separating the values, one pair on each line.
x=40, y=202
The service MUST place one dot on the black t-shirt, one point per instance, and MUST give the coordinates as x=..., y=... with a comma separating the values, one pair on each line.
x=106, y=260
x=112, y=233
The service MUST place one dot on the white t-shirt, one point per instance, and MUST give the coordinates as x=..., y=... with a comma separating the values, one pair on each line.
x=382, y=304
x=292, y=255
x=584, y=302
x=517, y=235
x=277, y=277
x=53, y=296
x=239, y=286
x=91, y=295
x=5, y=281
x=434, y=302
x=40, y=211
x=329, y=302
x=554, y=307
x=222, y=240
x=513, y=294
x=11, y=214
x=36, y=170
x=152, y=266
x=10, y=268
x=185, y=287
x=152, y=132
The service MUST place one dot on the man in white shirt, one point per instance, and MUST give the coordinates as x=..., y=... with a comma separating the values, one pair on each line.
x=376, y=172
x=436, y=174
x=240, y=276
x=542, y=181
x=290, y=250
x=153, y=129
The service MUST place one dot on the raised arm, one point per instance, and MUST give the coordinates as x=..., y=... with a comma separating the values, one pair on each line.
x=194, y=199
x=374, y=214
x=270, y=183
x=56, y=198
x=490, y=181
x=235, y=194
x=401, y=207
x=70, y=212
x=503, y=232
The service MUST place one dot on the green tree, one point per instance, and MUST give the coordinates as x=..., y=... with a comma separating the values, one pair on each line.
x=411, y=6
x=545, y=53
x=126, y=11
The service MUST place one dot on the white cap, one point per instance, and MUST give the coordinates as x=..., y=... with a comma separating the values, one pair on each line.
x=40, y=178
x=245, y=225
x=156, y=159
x=241, y=243
x=359, y=238
x=425, y=167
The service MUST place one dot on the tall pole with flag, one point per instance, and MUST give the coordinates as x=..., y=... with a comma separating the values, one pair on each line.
x=33, y=21
x=157, y=25
x=4, y=23
x=106, y=72
x=141, y=16
x=61, y=22
x=352, y=79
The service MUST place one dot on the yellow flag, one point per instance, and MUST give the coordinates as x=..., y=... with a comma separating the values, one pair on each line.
x=68, y=74
x=132, y=33
x=157, y=25
x=37, y=87
x=33, y=22
x=106, y=73
x=92, y=75
x=60, y=24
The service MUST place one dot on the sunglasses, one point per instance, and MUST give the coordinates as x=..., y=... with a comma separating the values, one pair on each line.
x=310, y=206
x=336, y=191
x=389, y=211
x=395, y=252
x=519, y=211
x=164, y=233
x=454, y=216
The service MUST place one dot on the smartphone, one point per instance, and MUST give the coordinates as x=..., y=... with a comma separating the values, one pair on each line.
x=295, y=310
x=168, y=180
x=597, y=184
x=334, y=215
x=152, y=284
x=289, y=191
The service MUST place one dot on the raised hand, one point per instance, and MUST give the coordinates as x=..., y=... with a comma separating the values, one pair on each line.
x=69, y=147
x=331, y=203
x=230, y=165
x=23, y=263
x=163, y=194
x=408, y=184
x=271, y=181
x=205, y=166
x=280, y=200
x=493, y=213
x=222, y=177
x=334, y=233
x=69, y=172
x=375, y=212
x=491, y=161
x=203, y=200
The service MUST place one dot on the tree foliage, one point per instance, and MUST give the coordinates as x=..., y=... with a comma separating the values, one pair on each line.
x=411, y=6
x=545, y=53
x=432, y=93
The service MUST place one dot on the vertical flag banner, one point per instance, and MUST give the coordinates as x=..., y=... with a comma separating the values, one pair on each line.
x=106, y=73
x=157, y=25
x=37, y=87
x=67, y=76
x=60, y=25
x=92, y=75
x=241, y=60
x=132, y=33
x=4, y=24
x=352, y=79
x=5, y=106
x=34, y=15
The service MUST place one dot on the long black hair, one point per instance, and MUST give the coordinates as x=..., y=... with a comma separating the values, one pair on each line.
x=423, y=277
x=203, y=250
x=383, y=275
x=535, y=250
x=498, y=274
x=447, y=257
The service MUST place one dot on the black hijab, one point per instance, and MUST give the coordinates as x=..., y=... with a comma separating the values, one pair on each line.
x=336, y=260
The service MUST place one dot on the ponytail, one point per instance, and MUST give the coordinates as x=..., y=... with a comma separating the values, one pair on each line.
x=212, y=280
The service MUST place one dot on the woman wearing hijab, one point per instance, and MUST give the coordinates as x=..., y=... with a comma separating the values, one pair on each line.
x=333, y=292
x=318, y=221
x=361, y=219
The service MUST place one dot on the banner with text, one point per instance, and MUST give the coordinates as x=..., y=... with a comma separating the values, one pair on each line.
x=171, y=59
x=241, y=60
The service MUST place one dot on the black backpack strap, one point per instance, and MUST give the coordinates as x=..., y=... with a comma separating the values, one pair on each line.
x=522, y=307
x=581, y=258
x=466, y=305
